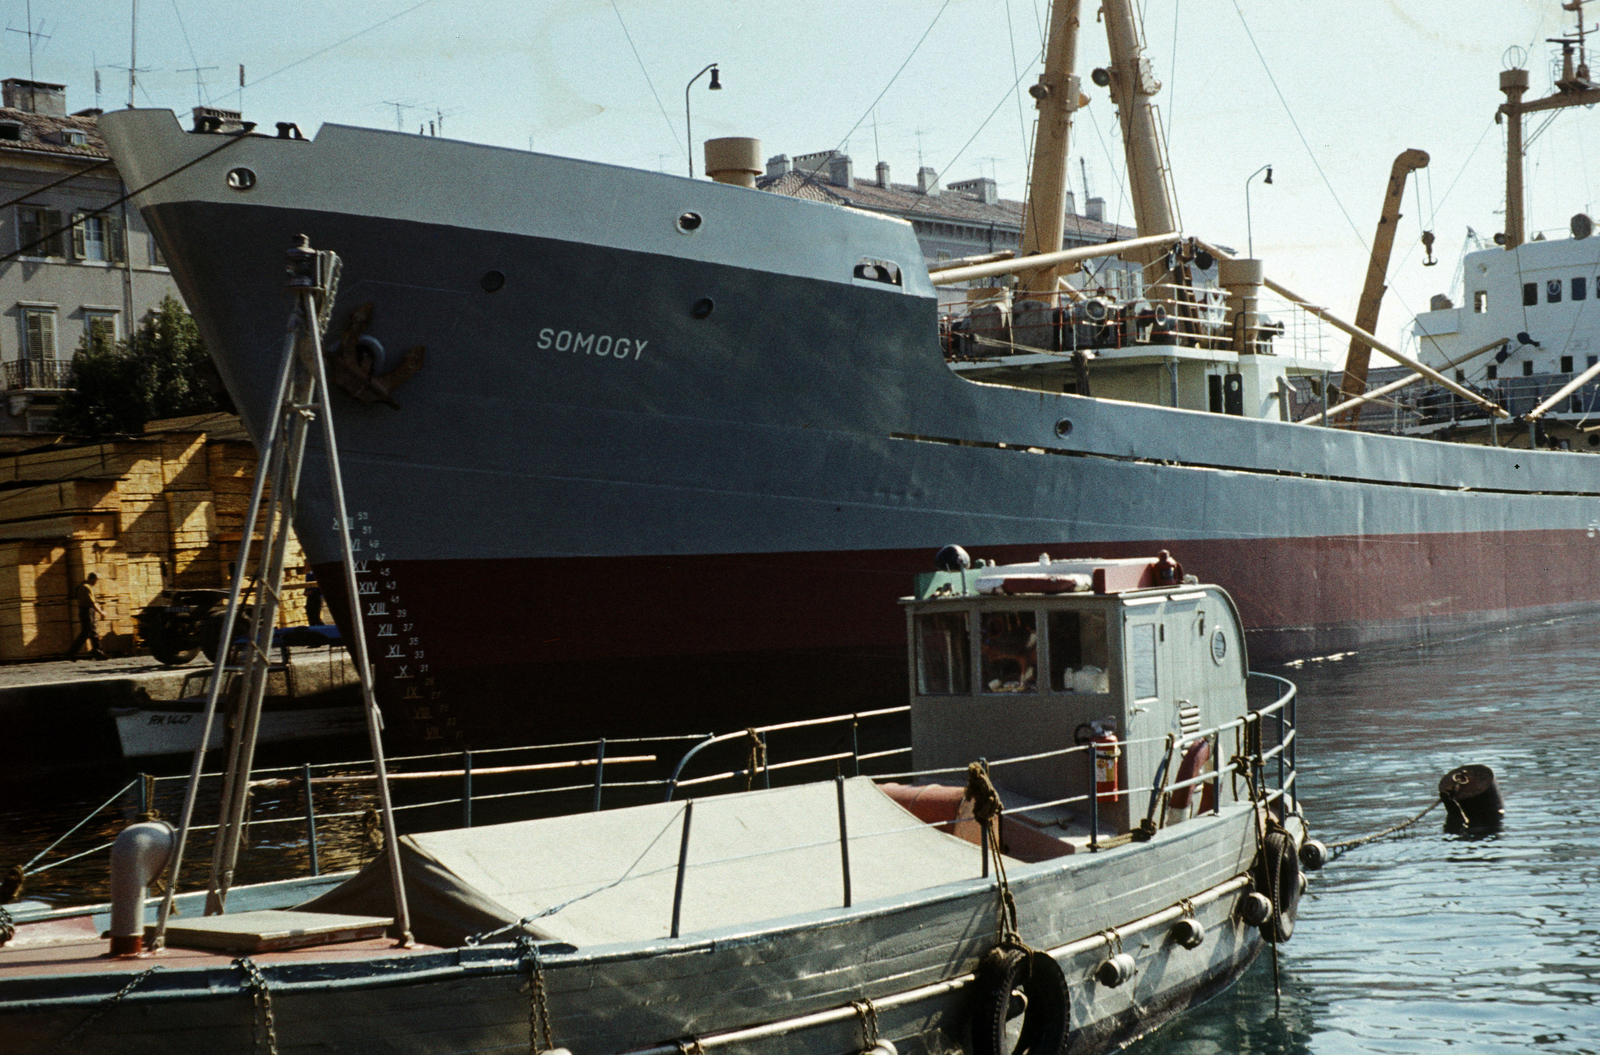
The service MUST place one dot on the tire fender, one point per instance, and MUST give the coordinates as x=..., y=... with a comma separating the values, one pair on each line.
x=1278, y=877
x=1006, y=973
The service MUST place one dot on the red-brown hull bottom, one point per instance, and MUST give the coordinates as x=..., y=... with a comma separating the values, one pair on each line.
x=517, y=650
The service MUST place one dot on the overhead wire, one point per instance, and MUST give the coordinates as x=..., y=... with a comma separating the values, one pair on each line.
x=671, y=126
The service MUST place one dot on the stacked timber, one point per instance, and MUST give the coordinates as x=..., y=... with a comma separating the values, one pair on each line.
x=145, y=513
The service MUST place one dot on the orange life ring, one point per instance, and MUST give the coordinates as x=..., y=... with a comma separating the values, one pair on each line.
x=1195, y=760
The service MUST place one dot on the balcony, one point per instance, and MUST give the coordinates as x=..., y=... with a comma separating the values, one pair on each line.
x=38, y=375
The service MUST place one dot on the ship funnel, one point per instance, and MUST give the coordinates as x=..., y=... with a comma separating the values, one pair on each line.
x=734, y=159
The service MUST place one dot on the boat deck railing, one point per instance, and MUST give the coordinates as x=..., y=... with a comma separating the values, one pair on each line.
x=321, y=817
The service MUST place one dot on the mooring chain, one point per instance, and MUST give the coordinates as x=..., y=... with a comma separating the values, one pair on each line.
x=111, y=1002
x=867, y=1011
x=538, y=998
x=263, y=1027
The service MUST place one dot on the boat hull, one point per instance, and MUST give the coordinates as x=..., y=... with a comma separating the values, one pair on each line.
x=913, y=956
x=651, y=477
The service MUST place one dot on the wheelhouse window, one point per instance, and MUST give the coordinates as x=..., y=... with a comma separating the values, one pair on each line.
x=1010, y=645
x=1552, y=291
x=943, y=654
x=1077, y=652
x=1566, y=364
x=1527, y=368
x=1491, y=372
x=1580, y=288
x=1480, y=301
x=1530, y=294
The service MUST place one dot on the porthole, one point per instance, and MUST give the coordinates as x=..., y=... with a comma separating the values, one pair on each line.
x=1063, y=427
x=241, y=178
x=702, y=308
x=1219, y=646
x=689, y=222
x=492, y=281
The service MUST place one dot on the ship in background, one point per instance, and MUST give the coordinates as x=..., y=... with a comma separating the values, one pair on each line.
x=670, y=449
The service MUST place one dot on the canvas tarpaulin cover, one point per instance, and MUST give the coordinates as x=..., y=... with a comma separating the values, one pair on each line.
x=597, y=878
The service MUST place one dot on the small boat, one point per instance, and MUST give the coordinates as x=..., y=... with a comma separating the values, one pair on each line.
x=1069, y=862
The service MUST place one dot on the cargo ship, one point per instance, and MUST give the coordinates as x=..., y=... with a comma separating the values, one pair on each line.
x=629, y=450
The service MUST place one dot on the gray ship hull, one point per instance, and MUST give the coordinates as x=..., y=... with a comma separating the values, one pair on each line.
x=683, y=476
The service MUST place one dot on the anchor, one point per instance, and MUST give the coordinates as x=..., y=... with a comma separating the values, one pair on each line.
x=353, y=364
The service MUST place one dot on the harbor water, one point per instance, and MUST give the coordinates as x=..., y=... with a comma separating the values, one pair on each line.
x=1418, y=943
x=1426, y=942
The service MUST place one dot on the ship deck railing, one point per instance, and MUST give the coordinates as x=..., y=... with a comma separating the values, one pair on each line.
x=1162, y=316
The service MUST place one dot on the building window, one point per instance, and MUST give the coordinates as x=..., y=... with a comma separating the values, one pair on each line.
x=74, y=138
x=1580, y=288
x=1566, y=364
x=1480, y=301
x=39, y=333
x=1530, y=294
x=42, y=226
x=97, y=238
x=100, y=330
x=1527, y=368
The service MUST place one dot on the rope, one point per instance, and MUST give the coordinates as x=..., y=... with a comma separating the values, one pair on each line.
x=263, y=1027
x=116, y=998
x=987, y=810
x=1336, y=850
x=538, y=1002
x=8, y=926
x=756, y=758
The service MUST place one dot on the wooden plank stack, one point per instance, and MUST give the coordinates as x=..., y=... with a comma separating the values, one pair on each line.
x=161, y=510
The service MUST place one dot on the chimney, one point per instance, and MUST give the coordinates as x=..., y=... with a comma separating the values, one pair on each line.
x=734, y=160
x=215, y=119
x=928, y=180
x=883, y=174
x=35, y=97
x=1072, y=203
x=1096, y=210
x=983, y=189
x=840, y=171
x=777, y=166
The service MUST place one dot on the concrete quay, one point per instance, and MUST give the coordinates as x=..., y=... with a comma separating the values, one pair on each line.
x=57, y=714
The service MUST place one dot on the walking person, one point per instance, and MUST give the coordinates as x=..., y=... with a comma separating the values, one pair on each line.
x=89, y=611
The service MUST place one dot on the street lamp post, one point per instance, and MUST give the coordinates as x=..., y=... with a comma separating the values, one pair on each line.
x=1249, y=230
x=688, y=124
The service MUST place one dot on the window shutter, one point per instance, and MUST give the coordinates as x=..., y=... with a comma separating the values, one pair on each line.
x=116, y=236
x=41, y=335
x=50, y=224
x=78, y=248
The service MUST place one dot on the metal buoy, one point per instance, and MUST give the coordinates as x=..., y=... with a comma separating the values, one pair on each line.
x=1313, y=855
x=1189, y=933
x=1255, y=909
x=1472, y=800
x=1115, y=971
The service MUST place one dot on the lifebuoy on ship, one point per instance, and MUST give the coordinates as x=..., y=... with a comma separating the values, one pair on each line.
x=1196, y=760
x=1013, y=981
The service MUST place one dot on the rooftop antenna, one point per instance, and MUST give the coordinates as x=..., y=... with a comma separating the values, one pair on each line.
x=199, y=82
x=399, y=114
x=919, y=134
x=133, y=50
x=33, y=35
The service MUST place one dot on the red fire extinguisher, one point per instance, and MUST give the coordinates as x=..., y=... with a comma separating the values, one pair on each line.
x=1106, y=754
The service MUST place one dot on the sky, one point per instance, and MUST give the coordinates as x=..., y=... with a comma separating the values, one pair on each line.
x=1326, y=93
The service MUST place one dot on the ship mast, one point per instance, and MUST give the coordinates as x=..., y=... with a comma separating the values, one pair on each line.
x=1044, y=221
x=1573, y=89
x=1133, y=84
